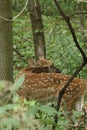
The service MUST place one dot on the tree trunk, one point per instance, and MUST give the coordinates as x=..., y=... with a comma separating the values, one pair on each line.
x=37, y=28
x=6, y=41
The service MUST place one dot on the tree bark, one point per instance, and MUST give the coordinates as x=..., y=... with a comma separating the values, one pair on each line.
x=37, y=28
x=6, y=41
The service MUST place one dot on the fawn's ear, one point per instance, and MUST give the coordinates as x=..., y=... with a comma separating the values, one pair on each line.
x=41, y=62
x=32, y=63
x=44, y=62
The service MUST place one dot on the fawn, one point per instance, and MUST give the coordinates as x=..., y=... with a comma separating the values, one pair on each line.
x=42, y=85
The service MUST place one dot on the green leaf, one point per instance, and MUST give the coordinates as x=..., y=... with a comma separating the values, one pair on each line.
x=47, y=121
x=18, y=83
x=2, y=110
x=11, y=106
x=47, y=109
x=77, y=114
x=10, y=122
x=32, y=110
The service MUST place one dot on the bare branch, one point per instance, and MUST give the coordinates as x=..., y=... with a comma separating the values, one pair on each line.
x=78, y=13
x=67, y=20
x=68, y=82
x=18, y=52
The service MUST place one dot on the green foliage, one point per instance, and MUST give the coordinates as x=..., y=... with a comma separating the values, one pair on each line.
x=18, y=4
x=49, y=8
x=31, y=115
x=81, y=1
x=18, y=83
x=59, y=43
x=22, y=42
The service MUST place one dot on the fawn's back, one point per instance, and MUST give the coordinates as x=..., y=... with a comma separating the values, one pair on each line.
x=46, y=86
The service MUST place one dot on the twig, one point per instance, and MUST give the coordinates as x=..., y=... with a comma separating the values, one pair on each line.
x=23, y=38
x=51, y=33
x=18, y=52
x=77, y=13
x=15, y=17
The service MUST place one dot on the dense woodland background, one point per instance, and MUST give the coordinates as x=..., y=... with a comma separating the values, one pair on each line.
x=60, y=49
